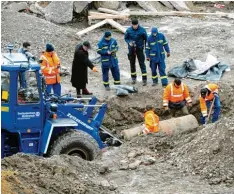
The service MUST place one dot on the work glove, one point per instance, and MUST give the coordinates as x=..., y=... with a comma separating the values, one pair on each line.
x=147, y=59
x=168, y=54
x=95, y=69
x=108, y=52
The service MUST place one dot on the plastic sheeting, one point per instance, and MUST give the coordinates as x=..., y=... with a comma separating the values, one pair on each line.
x=211, y=69
x=124, y=90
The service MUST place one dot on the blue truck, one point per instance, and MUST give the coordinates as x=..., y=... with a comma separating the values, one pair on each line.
x=35, y=122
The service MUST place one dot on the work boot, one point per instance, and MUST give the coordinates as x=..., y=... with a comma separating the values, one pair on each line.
x=144, y=82
x=133, y=81
x=107, y=88
x=154, y=84
x=86, y=92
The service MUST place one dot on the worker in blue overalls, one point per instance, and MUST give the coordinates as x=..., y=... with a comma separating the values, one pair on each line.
x=136, y=36
x=155, y=53
x=107, y=48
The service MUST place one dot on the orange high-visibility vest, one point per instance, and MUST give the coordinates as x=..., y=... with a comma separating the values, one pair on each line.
x=50, y=67
x=151, y=122
x=174, y=94
x=214, y=89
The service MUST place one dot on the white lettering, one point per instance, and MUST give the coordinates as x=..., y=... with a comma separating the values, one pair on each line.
x=79, y=121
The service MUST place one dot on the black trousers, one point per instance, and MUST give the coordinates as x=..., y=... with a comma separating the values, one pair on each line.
x=139, y=53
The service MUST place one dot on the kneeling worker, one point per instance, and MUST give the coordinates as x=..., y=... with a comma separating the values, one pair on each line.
x=175, y=97
x=151, y=120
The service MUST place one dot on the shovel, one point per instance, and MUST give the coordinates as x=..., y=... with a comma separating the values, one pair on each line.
x=211, y=107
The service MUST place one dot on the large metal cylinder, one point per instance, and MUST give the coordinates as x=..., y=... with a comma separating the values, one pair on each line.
x=171, y=126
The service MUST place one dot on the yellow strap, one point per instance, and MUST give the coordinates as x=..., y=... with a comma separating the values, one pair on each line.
x=152, y=54
x=117, y=81
x=106, y=82
x=133, y=73
x=165, y=43
x=104, y=60
x=154, y=77
x=144, y=74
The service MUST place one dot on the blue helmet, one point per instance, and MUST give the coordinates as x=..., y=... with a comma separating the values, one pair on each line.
x=154, y=30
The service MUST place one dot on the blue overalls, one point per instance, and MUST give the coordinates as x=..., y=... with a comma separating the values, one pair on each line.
x=155, y=51
x=109, y=61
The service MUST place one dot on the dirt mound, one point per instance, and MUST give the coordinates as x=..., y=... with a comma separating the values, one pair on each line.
x=59, y=174
x=209, y=153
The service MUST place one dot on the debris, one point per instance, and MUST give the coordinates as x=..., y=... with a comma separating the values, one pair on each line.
x=151, y=5
x=180, y=5
x=167, y=4
x=134, y=165
x=111, y=11
x=82, y=32
x=123, y=165
x=148, y=160
x=219, y=5
x=104, y=170
x=106, y=16
x=34, y=9
x=132, y=154
x=99, y=24
x=114, y=5
x=59, y=11
x=18, y=6
x=79, y=6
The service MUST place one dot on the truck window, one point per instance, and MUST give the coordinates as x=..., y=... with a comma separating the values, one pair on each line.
x=5, y=86
x=28, y=91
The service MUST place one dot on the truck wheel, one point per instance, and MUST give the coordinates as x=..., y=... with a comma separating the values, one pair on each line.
x=75, y=143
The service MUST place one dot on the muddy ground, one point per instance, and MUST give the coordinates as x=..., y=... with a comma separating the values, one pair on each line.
x=198, y=162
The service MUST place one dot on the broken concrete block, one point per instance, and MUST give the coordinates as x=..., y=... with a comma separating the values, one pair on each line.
x=148, y=160
x=18, y=6
x=167, y=4
x=34, y=9
x=151, y=6
x=59, y=11
x=132, y=154
x=105, y=183
x=107, y=4
x=180, y=5
x=134, y=165
x=123, y=165
x=80, y=5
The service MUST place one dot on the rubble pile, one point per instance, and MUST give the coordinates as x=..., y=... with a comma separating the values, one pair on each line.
x=209, y=153
x=56, y=175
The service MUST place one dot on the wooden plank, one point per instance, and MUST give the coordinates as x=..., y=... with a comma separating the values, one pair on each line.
x=94, y=13
x=173, y=13
x=116, y=25
x=123, y=17
x=97, y=25
x=105, y=10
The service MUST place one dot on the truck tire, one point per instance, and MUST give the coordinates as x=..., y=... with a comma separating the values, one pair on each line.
x=75, y=143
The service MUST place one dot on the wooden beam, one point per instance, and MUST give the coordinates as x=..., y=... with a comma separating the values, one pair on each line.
x=97, y=25
x=94, y=13
x=108, y=16
x=116, y=25
x=173, y=13
x=108, y=11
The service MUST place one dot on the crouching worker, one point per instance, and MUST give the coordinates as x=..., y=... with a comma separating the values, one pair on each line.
x=151, y=120
x=176, y=96
x=208, y=94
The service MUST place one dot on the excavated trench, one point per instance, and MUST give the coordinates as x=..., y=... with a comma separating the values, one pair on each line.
x=126, y=112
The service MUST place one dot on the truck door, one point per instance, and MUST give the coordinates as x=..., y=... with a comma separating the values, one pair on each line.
x=28, y=111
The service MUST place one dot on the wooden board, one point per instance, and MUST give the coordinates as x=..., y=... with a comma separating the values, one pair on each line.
x=116, y=25
x=173, y=13
x=97, y=25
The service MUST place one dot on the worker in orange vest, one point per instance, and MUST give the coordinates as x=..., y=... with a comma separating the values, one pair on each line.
x=208, y=94
x=151, y=120
x=176, y=96
x=50, y=67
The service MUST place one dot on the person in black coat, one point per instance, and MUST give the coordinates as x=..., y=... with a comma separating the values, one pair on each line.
x=80, y=64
